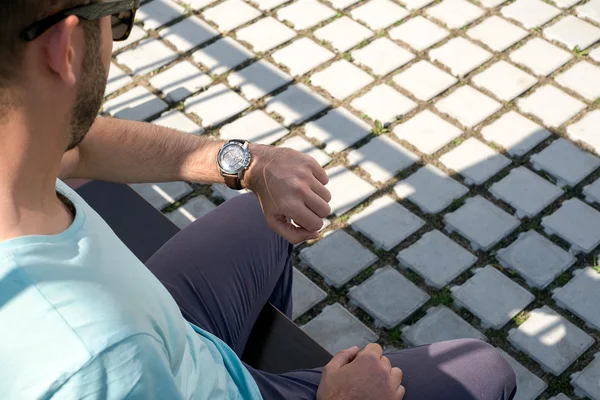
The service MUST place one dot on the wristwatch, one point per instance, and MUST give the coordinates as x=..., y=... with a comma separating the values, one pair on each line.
x=234, y=158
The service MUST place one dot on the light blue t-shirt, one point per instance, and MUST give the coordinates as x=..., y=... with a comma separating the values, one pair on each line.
x=82, y=318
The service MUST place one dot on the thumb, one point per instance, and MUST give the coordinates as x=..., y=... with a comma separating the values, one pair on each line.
x=342, y=358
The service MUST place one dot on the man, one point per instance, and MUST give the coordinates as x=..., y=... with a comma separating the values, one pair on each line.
x=82, y=318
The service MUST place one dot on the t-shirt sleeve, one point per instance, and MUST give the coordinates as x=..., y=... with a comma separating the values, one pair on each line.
x=136, y=368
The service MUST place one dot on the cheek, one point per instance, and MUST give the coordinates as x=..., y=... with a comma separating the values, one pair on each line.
x=107, y=42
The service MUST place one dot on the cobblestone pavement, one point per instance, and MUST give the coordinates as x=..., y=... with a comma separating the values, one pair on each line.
x=461, y=139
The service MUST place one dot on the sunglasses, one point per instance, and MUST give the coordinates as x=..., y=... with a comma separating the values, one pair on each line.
x=122, y=14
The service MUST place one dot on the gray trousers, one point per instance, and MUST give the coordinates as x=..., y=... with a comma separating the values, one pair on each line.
x=224, y=268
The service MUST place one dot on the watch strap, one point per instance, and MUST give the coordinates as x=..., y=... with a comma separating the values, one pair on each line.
x=233, y=181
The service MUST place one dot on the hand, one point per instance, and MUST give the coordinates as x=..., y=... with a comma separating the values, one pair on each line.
x=290, y=186
x=365, y=375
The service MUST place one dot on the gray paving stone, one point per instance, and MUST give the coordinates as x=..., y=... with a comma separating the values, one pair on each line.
x=592, y=192
x=379, y=14
x=590, y=10
x=535, y=258
x=296, y=104
x=179, y=121
x=553, y=106
x=586, y=130
x=149, y=55
x=540, y=56
x=216, y=105
x=424, y=80
x=468, y=106
x=475, y=161
x=460, y=55
x=525, y=191
x=504, y=80
x=419, y=33
x=191, y=211
x=497, y=33
x=266, y=34
x=530, y=13
x=180, y=81
x=117, y=79
x=550, y=339
x=560, y=396
x=577, y=223
x=222, y=55
x=255, y=127
x=424, y=257
x=427, y=132
x=336, y=329
x=338, y=257
x=302, y=56
x=388, y=297
x=137, y=104
x=573, y=32
x=305, y=14
x=382, y=158
x=305, y=294
x=583, y=78
x=258, y=79
x=529, y=386
x=565, y=162
x=231, y=14
x=491, y=297
x=585, y=382
x=386, y=223
x=440, y=324
x=156, y=13
x=161, y=195
x=222, y=191
x=343, y=33
x=341, y=79
x=430, y=189
x=481, y=222
x=189, y=33
x=515, y=133
x=384, y=104
x=347, y=190
x=581, y=296
x=382, y=56
x=298, y=143
x=455, y=13
x=136, y=35
x=338, y=130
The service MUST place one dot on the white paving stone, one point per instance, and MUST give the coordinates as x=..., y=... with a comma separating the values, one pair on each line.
x=338, y=130
x=455, y=13
x=535, y=258
x=198, y=4
x=382, y=158
x=338, y=257
x=258, y=79
x=347, y=190
x=595, y=54
x=191, y=211
x=586, y=130
x=336, y=329
x=382, y=56
x=530, y=13
x=180, y=81
x=302, y=56
x=577, y=223
x=573, y=32
x=566, y=3
x=255, y=127
x=590, y=10
x=296, y=104
x=136, y=35
x=582, y=78
x=529, y=386
x=379, y=14
x=492, y=3
x=540, y=56
x=481, y=222
x=137, y=104
x=305, y=294
x=550, y=339
x=440, y=324
x=468, y=106
x=592, y=192
x=388, y=297
x=424, y=80
x=430, y=189
x=266, y=34
x=341, y=79
x=497, y=33
x=231, y=14
x=179, y=121
x=586, y=381
x=386, y=223
x=525, y=191
x=343, y=33
x=427, y=132
x=492, y=297
x=156, y=13
x=565, y=162
x=300, y=144
x=419, y=33
x=504, y=80
x=553, y=106
x=383, y=103
x=267, y=5
x=189, y=33
x=216, y=105
x=341, y=4
x=460, y=55
x=305, y=14
x=515, y=133
x=416, y=4
x=475, y=161
x=117, y=79
x=424, y=257
x=160, y=195
x=222, y=55
x=581, y=296
x=149, y=55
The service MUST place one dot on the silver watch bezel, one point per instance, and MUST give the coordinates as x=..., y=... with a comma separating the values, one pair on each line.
x=245, y=163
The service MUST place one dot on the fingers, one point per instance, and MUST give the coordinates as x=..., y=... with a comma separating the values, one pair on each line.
x=373, y=349
x=386, y=363
x=306, y=218
x=396, y=374
x=320, y=190
x=342, y=358
x=317, y=205
x=400, y=393
x=291, y=233
x=319, y=172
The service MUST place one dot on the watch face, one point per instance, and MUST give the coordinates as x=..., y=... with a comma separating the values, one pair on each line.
x=233, y=158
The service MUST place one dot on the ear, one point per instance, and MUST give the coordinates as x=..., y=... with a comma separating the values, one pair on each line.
x=61, y=48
